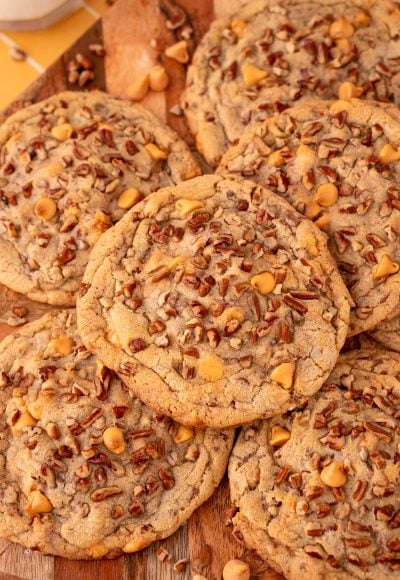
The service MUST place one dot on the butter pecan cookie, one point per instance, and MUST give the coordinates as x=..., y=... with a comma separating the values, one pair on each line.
x=317, y=490
x=87, y=470
x=273, y=53
x=216, y=302
x=338, y=163
x=70, y=167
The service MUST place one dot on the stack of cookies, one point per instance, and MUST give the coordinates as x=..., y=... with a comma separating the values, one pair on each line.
x=212, y=302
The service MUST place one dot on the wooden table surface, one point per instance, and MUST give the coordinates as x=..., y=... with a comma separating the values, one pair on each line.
x=129, y=31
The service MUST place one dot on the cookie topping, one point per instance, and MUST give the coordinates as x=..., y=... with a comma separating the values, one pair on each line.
x=64, y=345
x=334, y=474
x=283, y=374
x=253, y=75
x=278, y=436
x=236, y=570
x=264, y=282
x=38, y=503
x=62, y=131
x=183, y=434
x=326, y=194
x=385, y=267
x=388, y=154
x=128, y=198
x=179, y=52
x=45, y=208
x=114, y=440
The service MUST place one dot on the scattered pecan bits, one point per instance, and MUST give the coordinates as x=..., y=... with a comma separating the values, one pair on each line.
x=137, y=344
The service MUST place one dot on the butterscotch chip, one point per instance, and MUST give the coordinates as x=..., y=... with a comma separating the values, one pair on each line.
x=64, y=345
x=238, y=26
x=278, y=436
x=344, y=175
x=158, y=79
x=25, y=419
x=78, y=465
x=341, y=28
x=326, y=501
x=237, y=310
x=334, y=475
x=62, y=131
x=67, y=165
x=155, y=152
x=183, y=434
x=139, y=89
x=252, y=75
x=283, y=374
x=128, y=198
x=45, y=208
x=179, y=52
x=38, y=503
x=385, y=267
x=388, y=154
x=186, y=207
x=326, y=194
x=113, y=439
x=348, y=90
x=236, y=570
x=263, y=282
x=270, y=55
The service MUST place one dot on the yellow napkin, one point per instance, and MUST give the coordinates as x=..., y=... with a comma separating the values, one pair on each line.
x=42, y=47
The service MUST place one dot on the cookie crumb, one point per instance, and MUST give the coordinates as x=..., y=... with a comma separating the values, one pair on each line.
x=163, y=555
x=180, y=565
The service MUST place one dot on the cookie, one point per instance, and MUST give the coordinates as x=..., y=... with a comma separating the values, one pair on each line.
x=88, y=471
x=273, y=53
x=216, y=302
x=317, y=490
x=337, y=162
x=70, y=167
x=388, y=333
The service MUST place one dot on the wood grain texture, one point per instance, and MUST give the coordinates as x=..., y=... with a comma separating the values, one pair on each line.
x=135, y=35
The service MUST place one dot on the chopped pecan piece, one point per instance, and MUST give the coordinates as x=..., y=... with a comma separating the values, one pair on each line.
x=105, y=492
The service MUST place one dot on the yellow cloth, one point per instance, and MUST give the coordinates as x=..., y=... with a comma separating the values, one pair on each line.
x=42, y=47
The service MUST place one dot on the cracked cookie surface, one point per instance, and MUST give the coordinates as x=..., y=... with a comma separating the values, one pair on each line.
x=338, y=163
x=70, y=167
x=88, y=471
x=388, y=333
x=317, y=490
x=216, y=302
x=273, y=53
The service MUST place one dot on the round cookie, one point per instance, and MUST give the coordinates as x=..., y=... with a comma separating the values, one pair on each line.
x=70, y=167
x=87, y=470
x=216, y=302
x=274, y=52
x=337, y=162
x=317, y=490
x=388, y=333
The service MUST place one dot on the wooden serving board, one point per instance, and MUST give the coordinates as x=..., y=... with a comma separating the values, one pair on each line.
x=129, y=31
